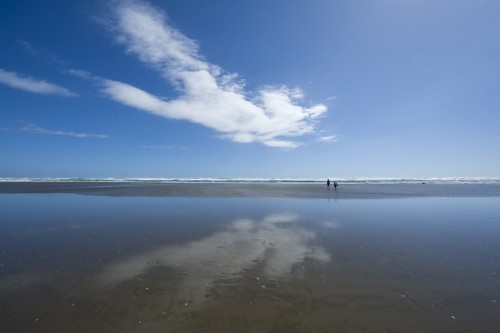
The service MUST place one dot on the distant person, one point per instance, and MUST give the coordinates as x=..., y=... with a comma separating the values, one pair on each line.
x=328, y=182
x=335, y=184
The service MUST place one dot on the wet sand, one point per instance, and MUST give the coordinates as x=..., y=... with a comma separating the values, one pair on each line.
x=93, y=263
x=253, y=190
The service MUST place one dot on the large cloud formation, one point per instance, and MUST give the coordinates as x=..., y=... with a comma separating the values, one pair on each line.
x=208, y=95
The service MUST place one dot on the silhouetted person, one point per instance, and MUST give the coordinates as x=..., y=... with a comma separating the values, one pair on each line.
x=335, y=184
x=328, y=182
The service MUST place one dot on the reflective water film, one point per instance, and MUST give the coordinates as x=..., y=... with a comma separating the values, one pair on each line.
x=275, y=241
x=135, y=264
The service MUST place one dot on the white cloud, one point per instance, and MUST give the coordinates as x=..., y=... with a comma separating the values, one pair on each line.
x=328, y=138
x=80, y=73
x=36, y=86
x=208, y=96
x=163, y=147
x=31, y=128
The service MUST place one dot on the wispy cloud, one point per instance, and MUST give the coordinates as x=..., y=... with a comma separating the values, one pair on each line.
x=208, y=95
x=31, y=128
x=163, y=147
x=43, y=54
x=36, y=86
x=27, y=46
x=82, y=74
x=328, y=138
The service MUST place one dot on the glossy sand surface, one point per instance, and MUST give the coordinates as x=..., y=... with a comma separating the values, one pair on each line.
x=255, y=190
x=97, y=263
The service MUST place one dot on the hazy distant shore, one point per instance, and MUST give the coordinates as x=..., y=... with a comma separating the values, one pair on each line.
x=254, y=190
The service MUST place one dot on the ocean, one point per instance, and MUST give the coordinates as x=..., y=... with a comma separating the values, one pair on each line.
x=380, y=180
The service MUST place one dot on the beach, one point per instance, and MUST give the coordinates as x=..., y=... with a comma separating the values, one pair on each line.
x=256, y=189
x=249, y=257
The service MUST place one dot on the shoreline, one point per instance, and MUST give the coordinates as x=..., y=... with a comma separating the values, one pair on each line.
x=202, y=180
x=252, y=190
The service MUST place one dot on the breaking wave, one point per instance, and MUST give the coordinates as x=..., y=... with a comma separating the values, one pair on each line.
x=446, y=180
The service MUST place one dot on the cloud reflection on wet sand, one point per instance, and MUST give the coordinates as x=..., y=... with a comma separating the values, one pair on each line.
x=276, y=241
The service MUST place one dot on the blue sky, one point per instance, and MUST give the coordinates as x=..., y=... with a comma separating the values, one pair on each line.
x=288, y=89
